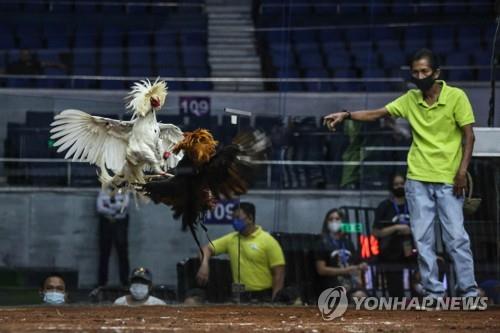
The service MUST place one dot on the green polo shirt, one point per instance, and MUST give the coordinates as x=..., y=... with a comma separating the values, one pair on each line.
x=436, y=150
x=259, y=253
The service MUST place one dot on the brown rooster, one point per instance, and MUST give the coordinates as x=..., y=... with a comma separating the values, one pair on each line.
x=205, y=175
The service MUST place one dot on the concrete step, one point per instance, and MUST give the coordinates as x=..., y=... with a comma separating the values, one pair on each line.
x=236, y=66
x=238, y=86
x=231, y=52
x=233, y=40
x=234, y=60
x=228, y=9
x=235, y=73
x=229, y=16
x=234, y=22
x=222, y=33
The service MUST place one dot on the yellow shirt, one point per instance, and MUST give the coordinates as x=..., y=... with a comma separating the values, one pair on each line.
x=259, y=252
x=436, y=150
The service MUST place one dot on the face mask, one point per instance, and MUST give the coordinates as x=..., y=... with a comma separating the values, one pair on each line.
x=398, y=192
x=53, y=297
x=334, y=226
x=139, y=291
x=239, y=225
x=425, y=83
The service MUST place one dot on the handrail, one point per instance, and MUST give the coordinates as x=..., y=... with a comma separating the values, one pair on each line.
x=110, y=3
x=259, y=162
x=372, y=4
x=200, y=79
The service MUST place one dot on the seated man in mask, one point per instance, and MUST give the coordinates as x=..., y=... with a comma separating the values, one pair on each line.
x=141, y=284
x=260, y=265
x=53, y=290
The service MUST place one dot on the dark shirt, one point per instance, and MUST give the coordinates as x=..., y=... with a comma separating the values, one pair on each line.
x=336, y=253
x=388, y=214
x=32, y=67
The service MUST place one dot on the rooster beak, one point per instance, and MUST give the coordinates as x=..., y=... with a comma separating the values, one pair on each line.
x=155, y=102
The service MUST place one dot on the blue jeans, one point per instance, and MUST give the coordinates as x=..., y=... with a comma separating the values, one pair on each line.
x=425, y=200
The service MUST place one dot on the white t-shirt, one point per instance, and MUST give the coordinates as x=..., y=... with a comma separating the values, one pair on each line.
x=150, y=301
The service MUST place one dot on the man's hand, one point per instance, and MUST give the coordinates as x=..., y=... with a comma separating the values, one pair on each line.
x=460, y=184
x=404, y=229
x=203, y=273
x=334, y=119
x=363, y=266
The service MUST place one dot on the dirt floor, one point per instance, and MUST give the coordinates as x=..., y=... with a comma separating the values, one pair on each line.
x=239, y=319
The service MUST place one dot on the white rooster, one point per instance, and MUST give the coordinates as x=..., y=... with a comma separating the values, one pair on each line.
x=127, y=148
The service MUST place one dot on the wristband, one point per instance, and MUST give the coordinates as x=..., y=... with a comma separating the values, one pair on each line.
x=348, y=114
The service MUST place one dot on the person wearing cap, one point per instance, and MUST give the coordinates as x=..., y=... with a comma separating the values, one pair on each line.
x=141, y=284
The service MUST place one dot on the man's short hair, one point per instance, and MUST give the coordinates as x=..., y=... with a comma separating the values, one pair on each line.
x=427, y=54
x=248, y=208
x=51, y=275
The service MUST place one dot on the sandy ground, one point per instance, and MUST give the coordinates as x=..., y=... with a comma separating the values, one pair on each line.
x=239, y=319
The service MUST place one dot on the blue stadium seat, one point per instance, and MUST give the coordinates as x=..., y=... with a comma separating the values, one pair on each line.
x=457, y=59
x=335, y=48
x=307, y=47
x=139, y=58
x=112, y=57
x=53, y=83
x=456, y=8
x=443, y=32
x=413, y=45
x=167, y=71
x=290, y=86
x=304, y=36
x=393, y=60
x=357, y=34
x=197, y=72
x=164, y=39
x=385, y=47
x=166, y=58
x=368, y=59
x=335, y=61
x=84, y=58
x=467, y=44
x=138, y=39
x=468, y=33
x=310, y=60
x=331, y=36
x=30, y=40
x=111, y=37
x=141, y=71
x=281, y=60
x=193, y=38
x=443, y=45
x=416, y=33
x=316, y=73
x=460, y=75
x=57, y=41
x=198, y=86
x=383, y=33
x=85, y=39
x=481, y=57
x=194, y=58
x=402, y=8
x=7, y=41
x=373, y=72
x=136, y=8
x=288, y=73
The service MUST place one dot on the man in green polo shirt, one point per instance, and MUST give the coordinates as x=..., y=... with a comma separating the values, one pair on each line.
x=441, y=119
x=256, y=258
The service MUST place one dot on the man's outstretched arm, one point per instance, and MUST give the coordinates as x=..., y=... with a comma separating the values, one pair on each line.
x=333, y=119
